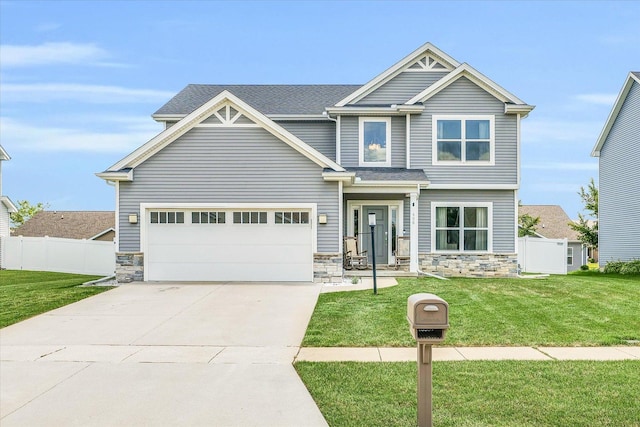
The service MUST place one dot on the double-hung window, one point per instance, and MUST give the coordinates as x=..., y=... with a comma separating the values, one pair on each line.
x=463, y=140
x=461, y=227
x=375, y=141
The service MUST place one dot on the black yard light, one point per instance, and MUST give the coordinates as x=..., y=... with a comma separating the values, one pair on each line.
x=372, y=224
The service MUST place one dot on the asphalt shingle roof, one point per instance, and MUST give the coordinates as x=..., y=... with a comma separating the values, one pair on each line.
x=67, y=224
x=268, y=99
x=387, y=174
x=554, y=221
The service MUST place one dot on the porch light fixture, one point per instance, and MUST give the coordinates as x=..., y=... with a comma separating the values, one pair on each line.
x=133, y=218
x=322, y=219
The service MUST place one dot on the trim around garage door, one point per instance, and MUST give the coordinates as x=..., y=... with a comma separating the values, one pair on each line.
x=156, y=246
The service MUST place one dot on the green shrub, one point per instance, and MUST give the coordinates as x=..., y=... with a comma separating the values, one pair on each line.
x=613, y=267
x=584, y=267
x=631, y=267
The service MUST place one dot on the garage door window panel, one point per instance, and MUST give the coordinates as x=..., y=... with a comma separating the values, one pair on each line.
x=253, y=217
x=208, y=217
x=167, y=217
x=291, y=217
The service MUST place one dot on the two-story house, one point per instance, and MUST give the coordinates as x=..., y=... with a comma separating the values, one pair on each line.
x=262, y=182
x=619, y=177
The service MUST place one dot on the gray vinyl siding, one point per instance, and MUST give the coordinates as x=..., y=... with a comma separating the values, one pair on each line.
x=349, y=140
x=465, y=98
x=619, y=188
x=228, y=165
x=504, y=203
x=320, y=135
x=403, y=87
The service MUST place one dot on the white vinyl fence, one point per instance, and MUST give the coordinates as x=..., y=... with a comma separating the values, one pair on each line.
x=61, y=255
x=537, y=255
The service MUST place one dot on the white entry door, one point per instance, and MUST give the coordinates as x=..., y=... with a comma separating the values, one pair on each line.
x=264, y=245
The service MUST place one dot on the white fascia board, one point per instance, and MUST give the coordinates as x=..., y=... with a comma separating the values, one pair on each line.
x=396, y=69
x=339, y=176
x=116, y=175
x=3, y=154
x=102, y=233
x=167, y=117
x=523, y=110
x=8, y=204
x=617, y=106
x=474, y=187
x=466, y=70
x=394, y=110
x=169, y=135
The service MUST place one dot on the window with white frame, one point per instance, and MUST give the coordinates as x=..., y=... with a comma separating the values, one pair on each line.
x=375, y=141
x=167, y=217
x=461, y=228
x=569, y=256
x=463, y=139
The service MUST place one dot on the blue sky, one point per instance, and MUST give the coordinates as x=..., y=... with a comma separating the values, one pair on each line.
x=79, y=80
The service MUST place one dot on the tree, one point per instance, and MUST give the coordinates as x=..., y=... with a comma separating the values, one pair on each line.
x=586, y=228
x=25, y=211
x=527, y=225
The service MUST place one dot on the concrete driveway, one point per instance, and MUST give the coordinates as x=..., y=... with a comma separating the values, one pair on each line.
x=162, y=354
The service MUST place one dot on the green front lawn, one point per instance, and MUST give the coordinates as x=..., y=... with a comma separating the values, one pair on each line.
x=24, y=294
x=505, y=393
x=577, y=309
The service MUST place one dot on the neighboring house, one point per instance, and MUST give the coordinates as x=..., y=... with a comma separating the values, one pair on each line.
x=89, y=225
x=554, y=224
x=262, y=182
x=619, y=180
x=6, y=206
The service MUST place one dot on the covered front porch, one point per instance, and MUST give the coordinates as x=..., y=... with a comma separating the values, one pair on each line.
x=391, y=196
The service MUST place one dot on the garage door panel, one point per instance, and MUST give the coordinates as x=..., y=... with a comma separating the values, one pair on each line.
x=229, y=252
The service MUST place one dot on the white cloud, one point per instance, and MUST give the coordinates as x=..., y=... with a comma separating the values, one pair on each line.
x=51, y=54
x=563, y=166
x=598, y=98
x=44, y=92
x=128, y=136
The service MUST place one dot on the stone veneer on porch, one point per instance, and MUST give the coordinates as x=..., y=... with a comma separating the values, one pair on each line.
x=327, y=267
x=469, y=265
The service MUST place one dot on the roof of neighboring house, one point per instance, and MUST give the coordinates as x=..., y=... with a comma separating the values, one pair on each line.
x=554, y=221
x=68, y=224
x=3, y=154
x=633, y=77
x=268, y=99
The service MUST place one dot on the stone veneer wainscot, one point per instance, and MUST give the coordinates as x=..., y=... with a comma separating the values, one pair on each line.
x=469, y=265
x=129, y=267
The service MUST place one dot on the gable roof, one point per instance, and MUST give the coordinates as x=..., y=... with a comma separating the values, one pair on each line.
x=268, y=99
x=3, y=154
x=554, y=221
x=396, y=69
x=169, y=135
x=466, y=70
x=633, y=77
x=68, y=224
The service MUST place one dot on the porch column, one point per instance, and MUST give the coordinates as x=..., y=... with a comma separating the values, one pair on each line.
x=413, y=241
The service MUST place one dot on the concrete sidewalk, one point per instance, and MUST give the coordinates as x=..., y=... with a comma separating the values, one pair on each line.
x=386, y=354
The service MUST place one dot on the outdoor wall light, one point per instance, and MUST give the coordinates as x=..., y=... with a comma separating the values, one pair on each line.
x=133, y=218
x=322, y=219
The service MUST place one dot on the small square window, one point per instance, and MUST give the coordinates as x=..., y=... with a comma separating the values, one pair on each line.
x=154, y=217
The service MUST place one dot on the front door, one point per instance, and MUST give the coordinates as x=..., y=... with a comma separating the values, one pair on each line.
x=381, y=233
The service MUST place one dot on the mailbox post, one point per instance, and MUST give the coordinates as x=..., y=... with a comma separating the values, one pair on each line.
x=428, y=317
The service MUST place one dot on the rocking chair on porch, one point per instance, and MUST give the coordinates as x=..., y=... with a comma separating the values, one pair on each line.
x=403, y=251
x=352, y=257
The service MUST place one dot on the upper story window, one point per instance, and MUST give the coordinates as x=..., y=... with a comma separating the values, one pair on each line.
x=375, y=141
x=463, y=140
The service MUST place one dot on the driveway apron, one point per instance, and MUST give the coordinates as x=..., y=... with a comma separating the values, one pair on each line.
x=162, y=354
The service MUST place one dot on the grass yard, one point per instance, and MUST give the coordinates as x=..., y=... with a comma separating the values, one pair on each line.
x=24, y=294
x=505, y=393
x=578, y=309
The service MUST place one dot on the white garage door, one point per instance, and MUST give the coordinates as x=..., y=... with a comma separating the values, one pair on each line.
x=229, y=245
